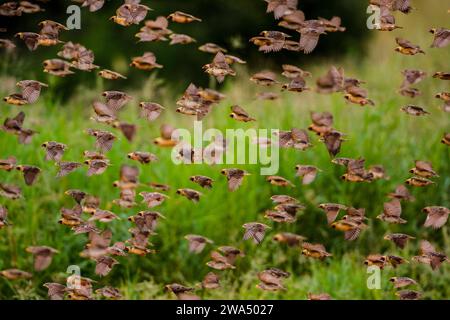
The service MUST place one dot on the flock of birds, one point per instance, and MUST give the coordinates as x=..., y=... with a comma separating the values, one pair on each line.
x=198, y=102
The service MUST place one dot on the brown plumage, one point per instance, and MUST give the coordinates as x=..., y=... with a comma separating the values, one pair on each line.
x=402, y=193
x=414, y=110
x=54, y=150
x=391, y=212
x=8, y=164
x=142, y=157
x=66, y=167
x=146, y=62
x=399, y=239
x=255, y=231
x=271, y=279
x=197, y=243
x=42, y=256
x=30, y=173
x=219, y=68
x=332, y=210
x=316, y=251
x=307, y=173
x=202, y=181
x=441, y=37
x=290, y=239
x=150, y=110
x=234, y=177
x=181, y=17
x=436, y=216
x=423, y=169
x=190, y=194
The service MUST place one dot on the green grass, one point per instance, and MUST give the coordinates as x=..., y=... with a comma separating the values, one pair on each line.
x=381, y=134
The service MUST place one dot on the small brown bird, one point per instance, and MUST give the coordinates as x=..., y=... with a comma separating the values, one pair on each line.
x=408, y=295
x=332, y=210
x=310, y=32
x=264, y=78
x=110, y=75
x=307, y=173
x=197, y=243
x=332, y=81
x=153, y=199
x=10, y=191
x=109, y=293
x=146, y=62
x=429, y=255
x=280, y=216
x=104, y=216
x=316, y=251
x=54, y=150
x=130, y=13
x=351, y=226
x=418, y=182
x=376, y=260
x=66, y=167
x=283, y=199
x=356, y=172
x=211, y=281
x=423, y=169
x=441, y=37
x=446, y=139
x=202, y=181
x=181, y=39
x=159, y=186
x=358, y=96
x=322, y=123
x=150, y=110
x=294, y=138
x=168, y=136
x=211, y=48
x=296, y=85
x=414, y=110
x=240, y=114
x=30, y=173
x=15, y=274
x=333, y=25
x=42, y=256
x=56, y=291
x=407, y=48
x=96, y=167
x=181, y=292
x=48, y=36
x=401, y=282
x=30, y=39
x=104, y=265
x=219, y=68
x=181, y=17
x=57, y=67
x=142, y=157
x=412, y=77
x=291, y=239
x=31, y=89
x=395, y=261
x=320, y=296
x=445, y=96
x=3, y=217
x=103, y=139
x=93, y=5
x=377, y=172
x=292, y=20
x=333, y=141
x=442, y=75
x=8, y=164
x=292, y=72
x=402, y=193
x=410, y=92
x=219, y=262
x=392, y=211
x=234, y=177
x=255, y=231
x=281, y=8
x=279, y=181
x=399, y=239
x=15, y=99
x=436, y=216
x=271, y=279
x=190, y=194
